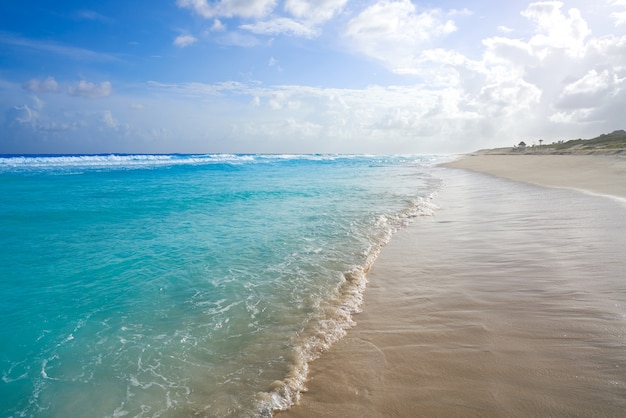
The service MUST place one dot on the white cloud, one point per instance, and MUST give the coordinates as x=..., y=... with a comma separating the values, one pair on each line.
x=109, y=120
x=505, y=98
x=556, y=30
x=578, y=76
x=91, y=15
x=592, y=83
x=394, y=32
x=280, y=25
x=594, y=90
x=577, y=116
x=351, y=120
x=504, y=29
x=274, y=64
x=24, y=115
x=87, y=89
x=305, y=17
x=237, y=39
x=619, y=17
x=42, y=86
x=548, y=78
x=507, y=50
x=217, y=26
x=183, y=41
x=556, y=76
x=315, y=11
x=229, y=8
x=200, y=89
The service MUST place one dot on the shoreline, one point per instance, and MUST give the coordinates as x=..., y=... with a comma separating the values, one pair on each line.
x=444, y=333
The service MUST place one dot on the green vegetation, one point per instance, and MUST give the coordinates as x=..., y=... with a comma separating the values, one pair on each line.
x=613, y=143
x=615, y=140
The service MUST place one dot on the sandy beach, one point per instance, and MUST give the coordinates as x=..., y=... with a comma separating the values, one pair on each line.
x=601, y=174
x=509, y=301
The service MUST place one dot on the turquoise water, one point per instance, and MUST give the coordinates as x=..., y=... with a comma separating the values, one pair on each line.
x=185, y=285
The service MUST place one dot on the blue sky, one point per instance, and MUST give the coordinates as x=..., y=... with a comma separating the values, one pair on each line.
x=307, y=76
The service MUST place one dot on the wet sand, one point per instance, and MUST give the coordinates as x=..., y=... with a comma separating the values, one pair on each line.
x=510, y=301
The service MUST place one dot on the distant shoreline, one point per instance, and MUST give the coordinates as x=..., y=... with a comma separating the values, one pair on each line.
x=605, y=144
x=548, y=150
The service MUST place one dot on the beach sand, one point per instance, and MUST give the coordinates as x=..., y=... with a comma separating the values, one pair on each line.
x=601, y=174
x=509, y=301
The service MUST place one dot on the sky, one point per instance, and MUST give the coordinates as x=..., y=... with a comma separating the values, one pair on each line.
x=307, y=76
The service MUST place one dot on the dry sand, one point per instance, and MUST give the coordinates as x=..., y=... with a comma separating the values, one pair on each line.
x=465, y=315
x=601, y=174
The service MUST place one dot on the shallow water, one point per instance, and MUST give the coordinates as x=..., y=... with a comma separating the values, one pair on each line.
x=179, y=285
x=509, y=301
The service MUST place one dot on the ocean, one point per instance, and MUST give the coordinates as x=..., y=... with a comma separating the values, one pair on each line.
x=186, y=285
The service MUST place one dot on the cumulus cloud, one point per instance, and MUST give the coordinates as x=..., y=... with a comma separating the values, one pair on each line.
x=394, y=31
x=315, y=11
x=42, y=86
x=87, y=89
x=183, y=41
x=303, y=16
x=506, y=97
x=507, y=50
x=593, y=82
x=575, y=117
x=229, y=8
x=558, y=75
x=592, y=90
x=307, y=16
x=555, y=29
